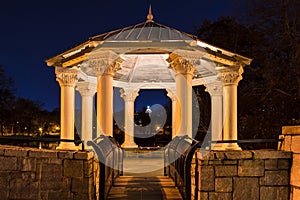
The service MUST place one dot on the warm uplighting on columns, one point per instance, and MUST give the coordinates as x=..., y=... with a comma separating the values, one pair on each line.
x=67, y=78
x=172, y=95
x=105, y=66
x=216, y=95
x=230, y=77
x=87, y=91
x=184, y=74
x=129, y=96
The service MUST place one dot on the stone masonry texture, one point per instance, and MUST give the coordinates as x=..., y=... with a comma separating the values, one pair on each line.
x=30, y=174
x=291, y=143
x=239, y=175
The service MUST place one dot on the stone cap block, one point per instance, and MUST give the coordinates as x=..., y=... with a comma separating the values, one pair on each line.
x=83, y=155
x=242, y=155
x=271, y=154
x=291, y=130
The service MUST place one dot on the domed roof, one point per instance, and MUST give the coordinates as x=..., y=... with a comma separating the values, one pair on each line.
x=145, y=47
x=146, y=31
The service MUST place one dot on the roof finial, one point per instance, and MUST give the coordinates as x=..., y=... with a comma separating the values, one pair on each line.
x=150, y=16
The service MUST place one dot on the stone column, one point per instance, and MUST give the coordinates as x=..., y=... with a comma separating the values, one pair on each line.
x=129, y=96
x=184, y=74
x=230, y=77
x=216, y=95
x=105, y=66
x=172, y=96
x=87, y=91
x=67, y=78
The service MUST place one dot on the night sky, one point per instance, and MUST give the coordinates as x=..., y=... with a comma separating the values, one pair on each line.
x=32, y=31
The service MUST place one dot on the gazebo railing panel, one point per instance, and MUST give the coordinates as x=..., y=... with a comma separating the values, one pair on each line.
x=109, y=155
x=178, y=157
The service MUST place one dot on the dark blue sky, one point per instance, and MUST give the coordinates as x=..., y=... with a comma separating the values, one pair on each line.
x=32, y=31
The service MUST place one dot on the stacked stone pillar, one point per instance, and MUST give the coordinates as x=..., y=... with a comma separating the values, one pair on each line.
x=239, y=175
x=291, y=143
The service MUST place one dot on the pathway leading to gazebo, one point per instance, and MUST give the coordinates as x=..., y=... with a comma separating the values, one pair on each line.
x=144, y=179
x=144, y=188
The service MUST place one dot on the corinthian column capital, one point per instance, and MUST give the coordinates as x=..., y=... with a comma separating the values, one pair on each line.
x=214, y=89
x=66, y=76
x=104, y=62
x=129, y=94
x=230, y=75
x=86, y=88
x=180, y=64
x=171, y=94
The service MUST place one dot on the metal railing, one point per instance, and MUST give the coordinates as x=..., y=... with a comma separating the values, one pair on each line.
x=178, y=158
x=247, y=141
x=20, y=139
x=110, y=157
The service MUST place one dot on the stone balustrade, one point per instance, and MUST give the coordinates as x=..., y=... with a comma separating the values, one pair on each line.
x=236, y=175
x=27, y=173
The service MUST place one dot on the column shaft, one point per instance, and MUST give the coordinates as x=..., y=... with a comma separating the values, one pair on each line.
x=67, y=113
x=184, y=104
x=129, y=96
x=174, y=118
x=87, y=91
x=215, y=90
x=67, y=79
x=217, y=121
x=105, y=104
x=87, y=120
x=230, y=77
x=129, y=125
x=230, y=114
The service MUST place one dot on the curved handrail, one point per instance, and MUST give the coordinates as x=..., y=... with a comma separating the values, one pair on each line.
x=179, y=164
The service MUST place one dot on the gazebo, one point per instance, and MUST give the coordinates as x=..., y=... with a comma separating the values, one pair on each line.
x=148, y=56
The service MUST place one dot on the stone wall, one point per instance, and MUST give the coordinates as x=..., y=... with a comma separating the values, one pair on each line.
x=291, y=136
x=237, y=175
x=27, y=173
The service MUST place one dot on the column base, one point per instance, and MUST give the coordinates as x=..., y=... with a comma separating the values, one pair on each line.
x=233, y=146
x=218, y=147
x=67, y=146
x=129, y=146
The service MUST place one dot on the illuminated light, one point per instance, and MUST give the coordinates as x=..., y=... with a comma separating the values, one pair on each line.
x=74, y=61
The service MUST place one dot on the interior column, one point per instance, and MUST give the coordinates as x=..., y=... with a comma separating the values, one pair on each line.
x=67, y=78
x=230, y=77
x=216, y=94
x=172, y=95
x=129, y=95
x=105, y=70
x=87, y=91
x=184, y=74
